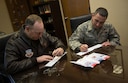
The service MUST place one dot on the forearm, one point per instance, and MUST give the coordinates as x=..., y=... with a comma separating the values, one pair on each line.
x=14, y=66
x=74, y=45
x=114, y=37
x=115, y=42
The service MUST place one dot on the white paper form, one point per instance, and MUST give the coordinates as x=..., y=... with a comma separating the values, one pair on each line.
x=54, y=60
x=91, y=60
x=89, y=49
x=85, y=62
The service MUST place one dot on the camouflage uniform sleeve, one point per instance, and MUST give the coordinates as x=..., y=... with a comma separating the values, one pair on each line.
x=76, y=38
x=113, y=37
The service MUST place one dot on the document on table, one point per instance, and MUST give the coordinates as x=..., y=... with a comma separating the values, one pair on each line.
x=89, y=49
x=91, y=60
x=54, y=60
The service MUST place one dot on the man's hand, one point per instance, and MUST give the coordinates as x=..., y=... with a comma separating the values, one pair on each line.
x=83, y=47
x=106, y=43
x=58, y=52
x=44, y=58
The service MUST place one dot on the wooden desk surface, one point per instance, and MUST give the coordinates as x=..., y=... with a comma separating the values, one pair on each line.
x=114, y=70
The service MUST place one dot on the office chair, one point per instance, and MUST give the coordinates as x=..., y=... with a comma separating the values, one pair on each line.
x=4, y=77
x=75, y=21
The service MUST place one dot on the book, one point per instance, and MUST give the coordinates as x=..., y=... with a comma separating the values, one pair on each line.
x=91, y=60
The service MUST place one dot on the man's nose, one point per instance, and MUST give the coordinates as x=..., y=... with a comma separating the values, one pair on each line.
x=40, y=35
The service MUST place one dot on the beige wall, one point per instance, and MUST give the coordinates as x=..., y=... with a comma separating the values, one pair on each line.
x=5, y=24
x=118, y=15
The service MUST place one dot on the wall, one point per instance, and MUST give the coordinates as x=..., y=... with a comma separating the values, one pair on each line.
x=118, y=13
x=117, y=16
x=5, y=23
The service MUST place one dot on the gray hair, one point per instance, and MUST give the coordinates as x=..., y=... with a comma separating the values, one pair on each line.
x=31, y=19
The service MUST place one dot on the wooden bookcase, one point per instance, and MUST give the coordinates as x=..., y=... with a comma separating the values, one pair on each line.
x=50, y=12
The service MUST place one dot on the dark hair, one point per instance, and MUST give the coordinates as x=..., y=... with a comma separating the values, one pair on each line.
x=31, y=19
x=102, y=11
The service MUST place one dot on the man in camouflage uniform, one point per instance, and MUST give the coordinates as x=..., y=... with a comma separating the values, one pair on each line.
x=94, y=31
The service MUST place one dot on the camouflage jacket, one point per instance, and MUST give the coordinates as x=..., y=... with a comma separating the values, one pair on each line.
x=86, y=34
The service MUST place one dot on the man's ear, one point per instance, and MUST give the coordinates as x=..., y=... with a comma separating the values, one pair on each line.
x=93, y=14
x=27, y=28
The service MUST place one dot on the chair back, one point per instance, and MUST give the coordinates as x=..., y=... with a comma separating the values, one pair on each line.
x=4, y=77
x=75, y=21
x=3, y=41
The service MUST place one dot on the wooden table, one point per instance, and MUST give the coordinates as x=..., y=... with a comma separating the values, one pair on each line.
x=113, y=70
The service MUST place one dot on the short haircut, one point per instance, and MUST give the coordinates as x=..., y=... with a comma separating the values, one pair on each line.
x=31, y=19
x=102, y=11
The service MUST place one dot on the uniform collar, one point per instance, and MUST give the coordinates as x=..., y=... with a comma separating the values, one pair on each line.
x=24, y=36
x=90, y=27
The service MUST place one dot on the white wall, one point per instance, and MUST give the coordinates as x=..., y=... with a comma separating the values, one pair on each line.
x=5, y=23
x=118, y=15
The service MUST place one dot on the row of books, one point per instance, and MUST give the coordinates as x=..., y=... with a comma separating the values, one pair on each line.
x=44, y=9
x=41, y=1
x=49, y=20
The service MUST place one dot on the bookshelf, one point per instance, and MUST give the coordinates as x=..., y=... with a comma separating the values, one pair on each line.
x=49, y=11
